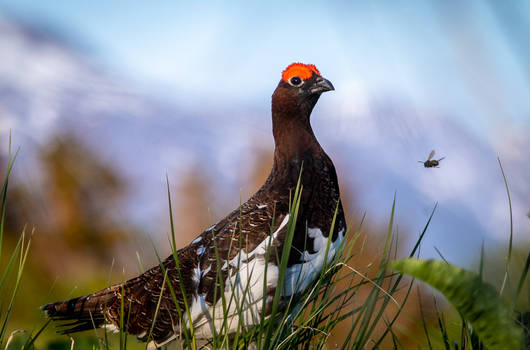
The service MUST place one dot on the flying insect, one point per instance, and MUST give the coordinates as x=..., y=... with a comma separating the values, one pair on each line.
x=431, y=163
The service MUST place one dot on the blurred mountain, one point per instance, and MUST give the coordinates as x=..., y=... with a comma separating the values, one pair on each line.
x=49, y=87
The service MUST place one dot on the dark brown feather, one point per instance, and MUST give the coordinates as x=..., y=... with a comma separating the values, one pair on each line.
x=296, y=147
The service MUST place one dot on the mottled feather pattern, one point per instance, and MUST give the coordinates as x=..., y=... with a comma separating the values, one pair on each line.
x=238, y=246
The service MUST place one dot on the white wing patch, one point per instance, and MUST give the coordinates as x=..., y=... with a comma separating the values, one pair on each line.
x=298, y=277
x=243, y=290
x=243, y=295
x=200, y=250
x=111, y=327
x=197, y=274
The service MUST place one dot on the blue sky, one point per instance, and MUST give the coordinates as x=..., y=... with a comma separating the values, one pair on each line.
x=452, y=56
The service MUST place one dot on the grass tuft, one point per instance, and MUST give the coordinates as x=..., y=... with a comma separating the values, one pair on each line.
x=363, y=304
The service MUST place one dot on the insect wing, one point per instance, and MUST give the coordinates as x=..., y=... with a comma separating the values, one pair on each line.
x=430, y=155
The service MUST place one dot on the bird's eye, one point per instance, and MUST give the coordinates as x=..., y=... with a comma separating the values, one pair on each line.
x=295, y=81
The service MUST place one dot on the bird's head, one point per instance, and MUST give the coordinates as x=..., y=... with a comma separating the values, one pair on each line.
x=299, y=89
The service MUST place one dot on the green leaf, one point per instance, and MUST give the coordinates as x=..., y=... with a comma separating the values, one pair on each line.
x=477, y=301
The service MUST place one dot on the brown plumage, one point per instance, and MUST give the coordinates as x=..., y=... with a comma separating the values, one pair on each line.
x=241, y=239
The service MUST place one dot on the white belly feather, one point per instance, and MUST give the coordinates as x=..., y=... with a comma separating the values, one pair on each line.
x=245, y=288
x=243, y=292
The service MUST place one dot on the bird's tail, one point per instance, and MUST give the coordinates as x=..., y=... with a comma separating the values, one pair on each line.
x=83, y=313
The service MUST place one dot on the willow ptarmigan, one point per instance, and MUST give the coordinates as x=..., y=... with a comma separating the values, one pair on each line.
x=244, y=240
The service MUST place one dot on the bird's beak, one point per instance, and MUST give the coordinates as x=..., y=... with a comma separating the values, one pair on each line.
x=321, y=85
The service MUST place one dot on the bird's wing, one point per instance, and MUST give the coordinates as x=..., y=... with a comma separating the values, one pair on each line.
x=233, y=241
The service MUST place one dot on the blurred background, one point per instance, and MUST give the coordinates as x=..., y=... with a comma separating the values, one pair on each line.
x=105, y=99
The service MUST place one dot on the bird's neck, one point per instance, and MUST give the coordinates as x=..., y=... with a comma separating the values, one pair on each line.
x=293, y=137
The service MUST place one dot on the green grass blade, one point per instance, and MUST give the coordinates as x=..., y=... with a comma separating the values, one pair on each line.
x=218, y=336
x=11, y=262
x=440, y=255
x=177, y=266
x=261, y=328
x=4, y=197
x=10, y=164
x=174, y=243
x=417, y=245
x=24, y=249
x=522, y=278
x=291, y=226
x=158, y=303
x=423, y=322
x=441, y=324
x=509, y=257
x=391, y=323
x=389, y=230
x=481, y=266
x=31, y=340
x=174, y=296
x=369, y=322
x=476, y=300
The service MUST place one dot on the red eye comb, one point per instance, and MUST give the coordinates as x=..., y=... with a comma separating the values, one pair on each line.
x=304, y=71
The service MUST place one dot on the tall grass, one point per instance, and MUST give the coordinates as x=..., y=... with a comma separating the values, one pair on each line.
x=11, y=272
x=309, y=319
x=364, y=304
